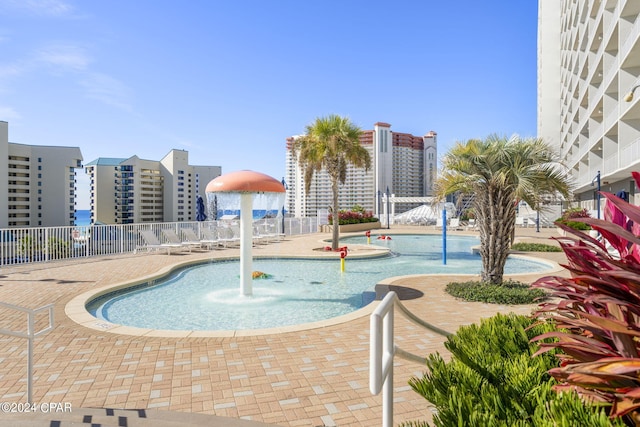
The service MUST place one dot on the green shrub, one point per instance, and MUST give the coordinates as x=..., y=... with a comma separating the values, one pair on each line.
x=576, y=225
x=570, y=215
x=57, y=248
x=508, y=292
x=569, y=410
x=535, y=247
x=353, y=217
x=493, y=380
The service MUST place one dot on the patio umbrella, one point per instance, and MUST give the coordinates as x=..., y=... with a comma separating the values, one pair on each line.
x=200, y=210
x=623, y=195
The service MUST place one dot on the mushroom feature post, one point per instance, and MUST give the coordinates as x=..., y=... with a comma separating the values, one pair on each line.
x=246, y=184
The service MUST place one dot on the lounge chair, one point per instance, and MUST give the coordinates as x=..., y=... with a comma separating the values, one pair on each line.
x=258, y=235
x=152, y=243
x=263, y=232
x=190, y=236
x=454, y=224
x=174, y=239
x=210, y=236
x=270, y=232
x=438, y=223
x=229, y=235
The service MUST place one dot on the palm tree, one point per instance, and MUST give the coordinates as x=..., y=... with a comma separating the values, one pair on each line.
x=500, y=172
x=331, y=143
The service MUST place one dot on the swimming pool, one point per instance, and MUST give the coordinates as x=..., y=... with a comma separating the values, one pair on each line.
x=207, y=296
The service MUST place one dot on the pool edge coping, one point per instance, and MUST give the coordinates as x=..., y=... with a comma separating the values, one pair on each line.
x=76, y=310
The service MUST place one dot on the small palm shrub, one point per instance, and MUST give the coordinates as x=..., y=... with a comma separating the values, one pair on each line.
x=597, y=310
x=492, y=380
x=28, y=246
x=57, y=248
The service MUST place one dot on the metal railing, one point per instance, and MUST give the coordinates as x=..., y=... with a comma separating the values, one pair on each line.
x=45, y=244
x=383, y=349
x=29, y=334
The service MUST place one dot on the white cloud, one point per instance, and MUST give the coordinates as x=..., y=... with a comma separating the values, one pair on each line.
x=7, y=73
x=107, y=89
x=8, y=114
x=10, y=70
x=55, y=8
x=64, y=56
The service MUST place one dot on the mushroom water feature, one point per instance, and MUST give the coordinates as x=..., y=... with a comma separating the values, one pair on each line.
x=247, y=186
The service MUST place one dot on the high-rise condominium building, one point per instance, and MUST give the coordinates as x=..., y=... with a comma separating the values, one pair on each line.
x=39, y=188
x=133, y=190
x=402, y=164
x=588, y=61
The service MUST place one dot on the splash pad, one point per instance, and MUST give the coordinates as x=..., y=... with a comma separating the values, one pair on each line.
x=243, y=188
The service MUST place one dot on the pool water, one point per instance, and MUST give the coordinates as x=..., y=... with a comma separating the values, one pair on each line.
x=207, y=296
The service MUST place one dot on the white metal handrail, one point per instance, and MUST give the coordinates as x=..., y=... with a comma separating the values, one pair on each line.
x=29, y=335
x=383, y=349
x=28, y=245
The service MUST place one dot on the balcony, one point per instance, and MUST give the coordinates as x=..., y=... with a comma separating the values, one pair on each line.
x=630, y=154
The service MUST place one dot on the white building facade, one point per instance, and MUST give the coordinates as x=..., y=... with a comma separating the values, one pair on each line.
x=402, y=164
x=133, y=190
x=40, y=183
x=588, y=61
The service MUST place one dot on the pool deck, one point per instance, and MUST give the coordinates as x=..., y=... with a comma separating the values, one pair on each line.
x=316, y=376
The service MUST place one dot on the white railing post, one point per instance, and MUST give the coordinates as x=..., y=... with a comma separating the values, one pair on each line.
x=121, y=239
x=45, y=248
x=381, y=356
x=383, y=349
x=29, y=335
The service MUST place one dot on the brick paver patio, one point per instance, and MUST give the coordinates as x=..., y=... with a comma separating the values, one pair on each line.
x=310, y=377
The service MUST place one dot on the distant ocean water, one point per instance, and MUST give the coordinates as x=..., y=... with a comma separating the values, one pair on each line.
x=83, y=218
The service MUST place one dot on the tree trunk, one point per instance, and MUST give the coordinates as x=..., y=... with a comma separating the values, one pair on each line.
x=335, y=237
x=496, y=223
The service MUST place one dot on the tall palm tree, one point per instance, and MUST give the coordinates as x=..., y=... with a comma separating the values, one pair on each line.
x=500, y=172
x=331, y=143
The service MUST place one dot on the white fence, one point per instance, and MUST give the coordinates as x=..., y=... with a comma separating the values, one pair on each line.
x=44, y=244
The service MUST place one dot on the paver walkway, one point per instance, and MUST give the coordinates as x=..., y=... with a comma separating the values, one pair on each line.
x=313, y=377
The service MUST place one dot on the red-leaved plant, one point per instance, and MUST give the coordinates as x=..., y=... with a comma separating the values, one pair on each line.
x=597, y=310
x=353, y=217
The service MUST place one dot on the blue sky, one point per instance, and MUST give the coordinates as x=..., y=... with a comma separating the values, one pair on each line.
x=229, y=81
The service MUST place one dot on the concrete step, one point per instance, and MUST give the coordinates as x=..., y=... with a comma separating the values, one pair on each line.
x=108, y=417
